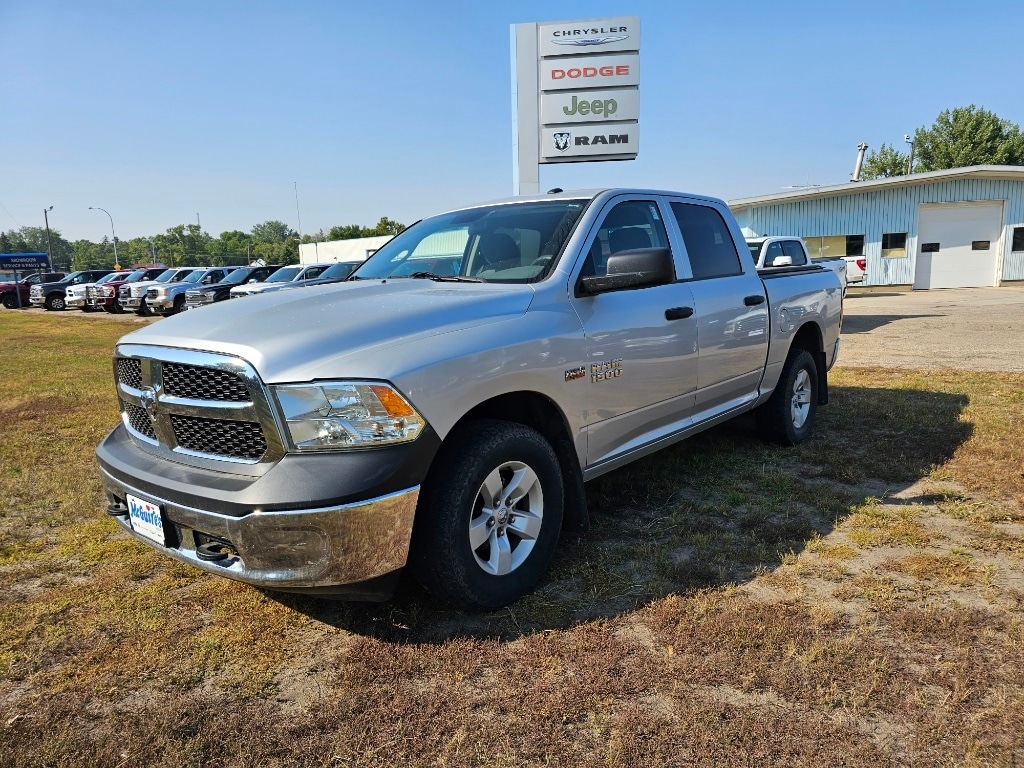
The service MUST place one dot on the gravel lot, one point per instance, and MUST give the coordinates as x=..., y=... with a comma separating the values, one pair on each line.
x=979, y=329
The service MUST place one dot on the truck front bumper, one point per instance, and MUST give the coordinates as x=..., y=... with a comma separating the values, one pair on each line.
x=351, y=549
x=327, y=523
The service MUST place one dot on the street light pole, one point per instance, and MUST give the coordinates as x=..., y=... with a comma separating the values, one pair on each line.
x=910, y=160
x=46, y=218
x=112, y=234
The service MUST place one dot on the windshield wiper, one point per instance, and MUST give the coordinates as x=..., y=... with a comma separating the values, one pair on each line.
x=445, y=279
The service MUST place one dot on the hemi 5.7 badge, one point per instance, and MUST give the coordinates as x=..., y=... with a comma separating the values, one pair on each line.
x=576, y=373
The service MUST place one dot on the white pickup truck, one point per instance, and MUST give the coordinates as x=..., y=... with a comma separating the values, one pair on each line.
x=779, y=252
x=442, y=408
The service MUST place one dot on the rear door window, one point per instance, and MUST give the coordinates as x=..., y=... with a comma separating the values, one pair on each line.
x=709, y=243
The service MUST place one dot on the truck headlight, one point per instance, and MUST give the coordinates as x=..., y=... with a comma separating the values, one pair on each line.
x=347, y=414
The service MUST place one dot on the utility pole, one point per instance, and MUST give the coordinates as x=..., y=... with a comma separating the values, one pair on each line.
x=46, y=218
x=910, y=161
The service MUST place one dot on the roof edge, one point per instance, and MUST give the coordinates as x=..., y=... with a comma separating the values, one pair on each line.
x=979, y=171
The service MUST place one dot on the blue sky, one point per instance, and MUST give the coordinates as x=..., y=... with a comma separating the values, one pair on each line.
x=160, y=111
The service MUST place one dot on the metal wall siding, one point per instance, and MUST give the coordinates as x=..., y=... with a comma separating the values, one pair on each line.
x=889, y=210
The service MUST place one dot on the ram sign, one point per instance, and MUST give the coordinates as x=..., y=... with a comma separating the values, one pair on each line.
x=576, y=94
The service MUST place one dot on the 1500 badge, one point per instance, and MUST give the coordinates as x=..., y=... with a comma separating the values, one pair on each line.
x=604, y=371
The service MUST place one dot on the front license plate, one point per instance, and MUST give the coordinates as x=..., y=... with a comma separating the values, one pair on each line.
x=146, y=519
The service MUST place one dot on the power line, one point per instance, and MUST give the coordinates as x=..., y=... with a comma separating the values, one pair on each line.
x=11, y=215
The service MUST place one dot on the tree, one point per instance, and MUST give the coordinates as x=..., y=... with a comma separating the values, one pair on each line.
x=271, y=232
x=387, y=226
x=5, y=243
x=33, y=240
x=886, y=162
x=965, y=136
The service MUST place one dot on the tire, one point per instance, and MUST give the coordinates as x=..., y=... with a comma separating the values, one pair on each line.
x=474, y=553
x=179, y=302
x=144, y=310
x=788, y=416
x=10, y=301
x=55, y=303
x=114, y=308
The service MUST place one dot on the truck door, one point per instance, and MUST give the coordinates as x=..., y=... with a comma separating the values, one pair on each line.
x=731, y=311
x=641, y=344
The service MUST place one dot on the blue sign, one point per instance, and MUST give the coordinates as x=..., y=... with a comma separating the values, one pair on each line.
x=22, y=261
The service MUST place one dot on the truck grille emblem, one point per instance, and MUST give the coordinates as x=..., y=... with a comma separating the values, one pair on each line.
x=147, y=397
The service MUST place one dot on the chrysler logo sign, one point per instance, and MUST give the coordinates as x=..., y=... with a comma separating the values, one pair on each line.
x=586, y=41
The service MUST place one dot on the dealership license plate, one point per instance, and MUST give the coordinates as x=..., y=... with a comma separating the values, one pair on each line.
x=146, y=519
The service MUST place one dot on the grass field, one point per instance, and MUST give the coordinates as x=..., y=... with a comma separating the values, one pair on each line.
x=858, y=600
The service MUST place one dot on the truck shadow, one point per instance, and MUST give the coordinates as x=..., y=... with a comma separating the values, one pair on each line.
x=866, y=323
x=714, y=510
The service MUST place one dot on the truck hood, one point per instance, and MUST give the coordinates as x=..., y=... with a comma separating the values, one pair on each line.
x=304, y=335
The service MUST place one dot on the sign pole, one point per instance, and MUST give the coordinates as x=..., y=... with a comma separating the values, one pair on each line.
x=525, y=112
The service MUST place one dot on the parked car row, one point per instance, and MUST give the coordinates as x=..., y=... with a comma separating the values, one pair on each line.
x=161, y=290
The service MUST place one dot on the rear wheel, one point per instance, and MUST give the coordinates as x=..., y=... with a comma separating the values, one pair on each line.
x=55, y=302
x=788, y=416
x=489, y=516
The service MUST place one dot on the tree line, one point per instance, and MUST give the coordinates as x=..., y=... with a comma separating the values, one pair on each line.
x=184, y=245
x=959, y=137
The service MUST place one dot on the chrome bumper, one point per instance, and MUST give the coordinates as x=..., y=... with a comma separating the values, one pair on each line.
x=295, y=549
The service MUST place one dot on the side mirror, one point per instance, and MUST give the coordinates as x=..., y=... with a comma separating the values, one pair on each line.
x=638, y=268
x=783, y=261
x=252, y=280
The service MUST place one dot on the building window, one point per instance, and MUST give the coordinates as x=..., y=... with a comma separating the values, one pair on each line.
x=1018, y=240
x=894, y=244
x=834, y=245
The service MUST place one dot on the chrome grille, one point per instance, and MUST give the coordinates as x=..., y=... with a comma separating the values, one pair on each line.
x=129, y=371
x=203, y=383
x=151, y=293
x=195, y=407
x=239, y=439
x=139, y=420
x=124, y=291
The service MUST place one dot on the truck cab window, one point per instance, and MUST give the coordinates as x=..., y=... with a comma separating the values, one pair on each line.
x=708, y=241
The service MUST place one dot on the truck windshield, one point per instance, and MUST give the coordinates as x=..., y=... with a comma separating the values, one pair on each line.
x=284, y=274
x=508, y=243
x=236, y=276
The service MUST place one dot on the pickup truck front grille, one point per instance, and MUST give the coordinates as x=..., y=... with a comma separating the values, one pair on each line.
x=151, y=294
x=196, y=407
x=203, y=383
x=129, y=371
x=138, y=419
x=238, y=439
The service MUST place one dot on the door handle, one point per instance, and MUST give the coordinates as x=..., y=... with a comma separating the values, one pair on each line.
x=678, y=313
x=753, y=301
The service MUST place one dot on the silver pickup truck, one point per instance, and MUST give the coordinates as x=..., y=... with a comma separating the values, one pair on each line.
x=442, y=408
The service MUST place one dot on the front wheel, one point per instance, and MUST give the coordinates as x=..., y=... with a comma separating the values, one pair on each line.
x=10, y=301
x=144, y=309
x=788, y=416
x=489, y=516
x=55, y=302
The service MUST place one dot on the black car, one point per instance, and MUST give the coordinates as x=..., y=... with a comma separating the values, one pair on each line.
x=51, y=295
x=208, y=294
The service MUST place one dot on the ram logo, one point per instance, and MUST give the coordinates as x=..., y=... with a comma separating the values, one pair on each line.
x=562, y=141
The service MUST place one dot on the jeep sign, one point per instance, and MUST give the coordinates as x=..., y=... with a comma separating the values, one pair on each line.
x=587, y=106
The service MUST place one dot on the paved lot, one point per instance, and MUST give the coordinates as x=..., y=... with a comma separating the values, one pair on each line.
x=967, y=328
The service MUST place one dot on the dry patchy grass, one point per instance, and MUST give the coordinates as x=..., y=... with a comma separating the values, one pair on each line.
x=854, y=601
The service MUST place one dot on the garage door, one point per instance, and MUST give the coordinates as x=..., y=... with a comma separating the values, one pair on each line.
x=958, y=245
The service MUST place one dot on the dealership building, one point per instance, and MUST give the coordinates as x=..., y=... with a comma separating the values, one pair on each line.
x=956, y=228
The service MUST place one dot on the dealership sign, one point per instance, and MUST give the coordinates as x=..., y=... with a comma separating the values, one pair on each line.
x=575, y=94
x=24, y=261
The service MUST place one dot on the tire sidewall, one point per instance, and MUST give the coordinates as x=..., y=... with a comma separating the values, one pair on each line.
x=55, y=303
x=442, y=556
x=802, y=361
